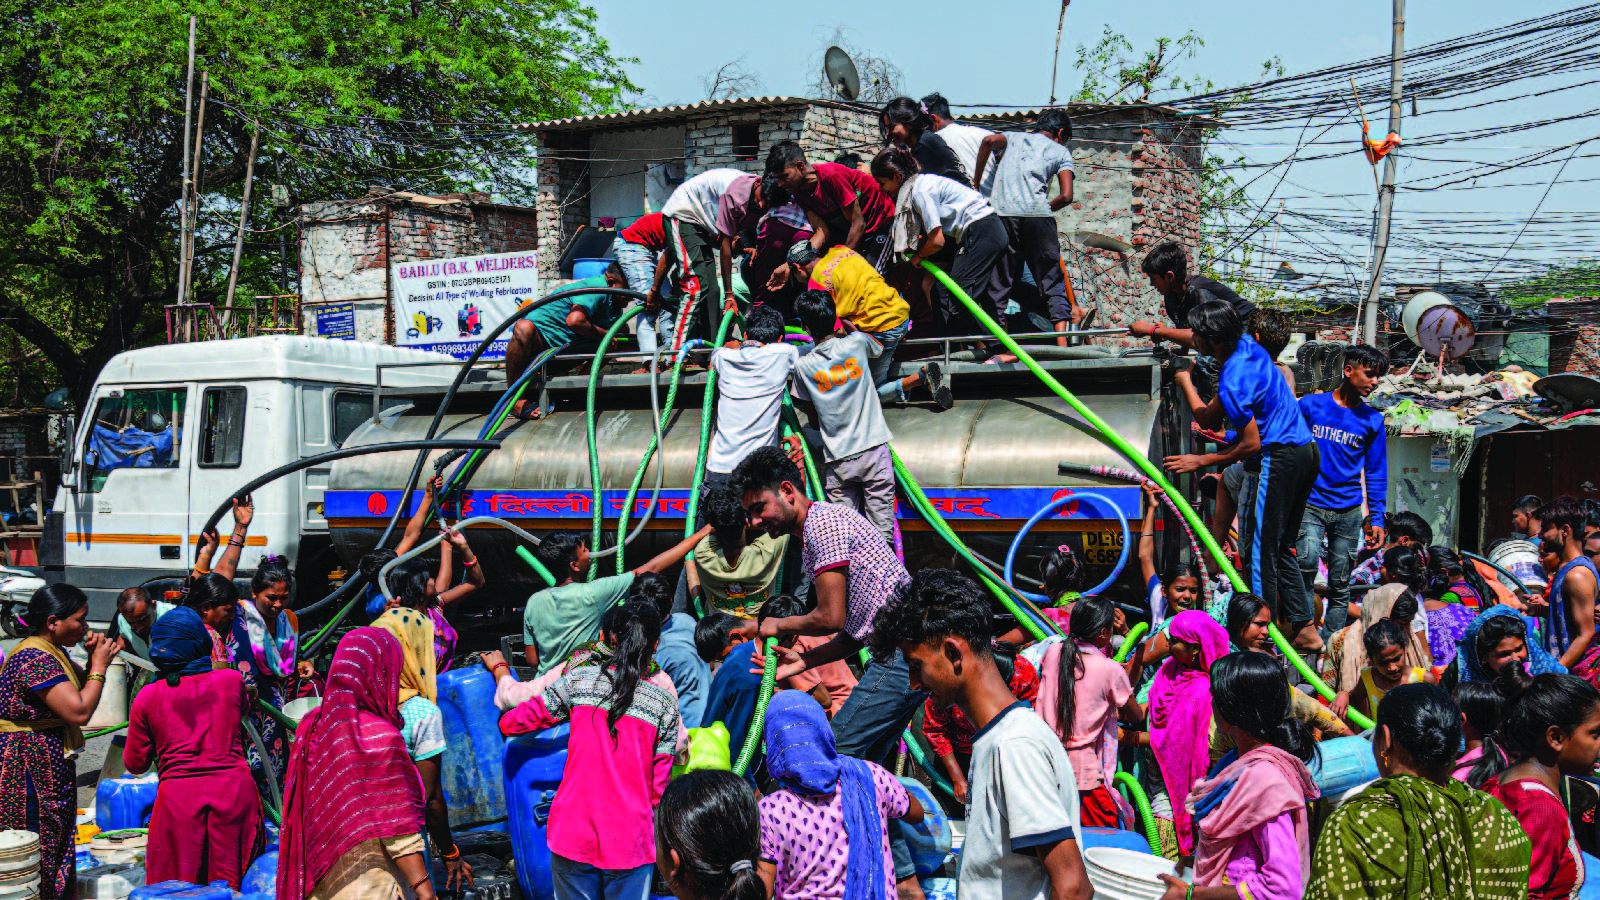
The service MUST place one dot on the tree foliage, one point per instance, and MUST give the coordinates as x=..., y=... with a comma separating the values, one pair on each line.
x=1580, y=279
x=345, y=93
x=881, y=80
x=1114, y=72
x=733, y=78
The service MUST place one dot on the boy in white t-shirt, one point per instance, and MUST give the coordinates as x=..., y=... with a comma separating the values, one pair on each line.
x=1022, y=807
x=751, y=379
x=834, y=383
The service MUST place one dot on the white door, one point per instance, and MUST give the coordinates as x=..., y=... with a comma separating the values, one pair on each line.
x=128, y=519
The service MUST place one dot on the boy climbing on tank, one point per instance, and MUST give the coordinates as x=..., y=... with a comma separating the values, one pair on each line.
x=1253, y=399
x=829, y=384
x=584, y=317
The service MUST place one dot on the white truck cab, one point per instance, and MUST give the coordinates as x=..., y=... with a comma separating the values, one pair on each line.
x=169, y=432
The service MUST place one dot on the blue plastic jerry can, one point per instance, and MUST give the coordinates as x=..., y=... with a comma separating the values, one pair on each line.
x=930, y=839
x=1113, y=837
x=1342, y=764
x=534, y=764
x=124, y=802
x=474, y=780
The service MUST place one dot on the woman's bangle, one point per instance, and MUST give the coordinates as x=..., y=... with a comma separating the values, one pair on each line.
x=236, y=542
x=497, y=666
x=97, y=676
x=453, y=853
x=200, y=571
x=469, y=563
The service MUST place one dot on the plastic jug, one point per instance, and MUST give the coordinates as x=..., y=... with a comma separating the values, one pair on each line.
x=262, y=878
x=935, y=888
x=474, y=777
x=488, y=842
x=160, y=889
x=1113, y=837
x=1343, y=763
x=109, y=882
x=708, y=749
x=124, y=802
x=930, y=839
x=534, y=764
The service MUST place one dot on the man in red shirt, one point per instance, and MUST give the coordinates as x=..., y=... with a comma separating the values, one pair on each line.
x=844, y=205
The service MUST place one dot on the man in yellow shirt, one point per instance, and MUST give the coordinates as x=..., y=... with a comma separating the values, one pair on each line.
x=867, y=302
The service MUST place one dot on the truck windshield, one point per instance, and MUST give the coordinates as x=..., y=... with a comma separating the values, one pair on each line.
x=141, y=429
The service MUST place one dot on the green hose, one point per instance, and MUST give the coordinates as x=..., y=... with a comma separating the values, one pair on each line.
x=644, y=462
x=1130, y=786
x=706, y=401
x=102, y=732
x=922, y=760
x=1150, y=470
x=753, y=737
x=594, y=451
x=792, y=421
x=332, y=623
x=530, y=559
x=1131, y=641
x=278, y=714
x=990, y=580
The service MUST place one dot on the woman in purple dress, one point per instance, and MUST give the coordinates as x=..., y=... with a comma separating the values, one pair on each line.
x=45, y=700
x=1451, y=600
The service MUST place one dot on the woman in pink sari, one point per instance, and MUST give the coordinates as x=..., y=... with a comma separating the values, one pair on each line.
x=1252, y=832
x=1180, y=711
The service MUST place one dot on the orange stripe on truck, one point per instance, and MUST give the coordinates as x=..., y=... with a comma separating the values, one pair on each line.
x=87, y=538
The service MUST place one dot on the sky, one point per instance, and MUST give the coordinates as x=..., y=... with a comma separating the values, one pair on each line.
x=1000, y=53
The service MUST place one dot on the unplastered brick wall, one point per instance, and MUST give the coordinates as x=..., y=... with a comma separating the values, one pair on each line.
x=708, y=140
x=1137, y=181
x=348, y=246
x=563, y=201
x=1576, y=350
x=830, y=131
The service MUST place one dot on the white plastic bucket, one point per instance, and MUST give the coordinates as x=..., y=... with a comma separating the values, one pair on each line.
x=1520, y=558
x=297, y=709
x=113, y=706
x=1118, y=874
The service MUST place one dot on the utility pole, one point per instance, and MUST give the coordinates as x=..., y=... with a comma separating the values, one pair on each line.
x=1368, y=326
x=183, y=204
x=244, y=219
x=196, y=179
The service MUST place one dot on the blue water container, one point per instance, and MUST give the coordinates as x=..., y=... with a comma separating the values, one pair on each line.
x=929, y=839
x=218, y=891
x=588, y=268
x=935, y=888
x=124, y=802
x=160, y=889
x=263, y=875
x=1341, y=764
x=1113, y=837
x=474, y=779
x=534, y=764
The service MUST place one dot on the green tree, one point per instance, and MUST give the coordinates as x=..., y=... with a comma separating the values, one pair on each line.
x=1580, y=279
x=345, y=93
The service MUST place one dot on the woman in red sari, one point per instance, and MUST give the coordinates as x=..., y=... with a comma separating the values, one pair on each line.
x=352, y=807
x=207, y=821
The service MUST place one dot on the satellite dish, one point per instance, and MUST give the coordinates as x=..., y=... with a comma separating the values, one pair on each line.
x=840, y=71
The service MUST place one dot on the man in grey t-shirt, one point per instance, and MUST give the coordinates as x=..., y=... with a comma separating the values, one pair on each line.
x=834, y=382
x=1028, y=163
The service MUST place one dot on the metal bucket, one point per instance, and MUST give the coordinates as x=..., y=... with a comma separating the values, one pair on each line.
x=1520, y=558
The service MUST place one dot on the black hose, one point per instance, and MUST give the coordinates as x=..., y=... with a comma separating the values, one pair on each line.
x=461, y=376
x=346, y=453
x=332, y=456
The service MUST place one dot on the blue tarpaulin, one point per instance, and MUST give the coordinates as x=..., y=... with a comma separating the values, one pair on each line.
x=131, y=448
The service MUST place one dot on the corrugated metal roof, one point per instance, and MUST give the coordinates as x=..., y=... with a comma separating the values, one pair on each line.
x=678, y=111
x=1091, y=109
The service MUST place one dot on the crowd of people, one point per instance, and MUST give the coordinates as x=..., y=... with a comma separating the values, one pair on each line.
x=1477, y=691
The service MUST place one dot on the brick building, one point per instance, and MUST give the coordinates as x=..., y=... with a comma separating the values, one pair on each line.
x=346, y=247
x=623, y=165
x=1136, y=180
x=1137, y=174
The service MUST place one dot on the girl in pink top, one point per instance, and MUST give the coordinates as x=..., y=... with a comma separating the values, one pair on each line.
x=1482, y=710
x=1081, y=694
x=619, y=757
x=1250, y=810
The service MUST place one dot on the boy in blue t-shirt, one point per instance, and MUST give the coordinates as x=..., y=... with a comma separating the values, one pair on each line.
x=1254, y=400
x=1355, y=449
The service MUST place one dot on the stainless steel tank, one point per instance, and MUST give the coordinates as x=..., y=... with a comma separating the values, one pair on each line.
x=989, y=448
